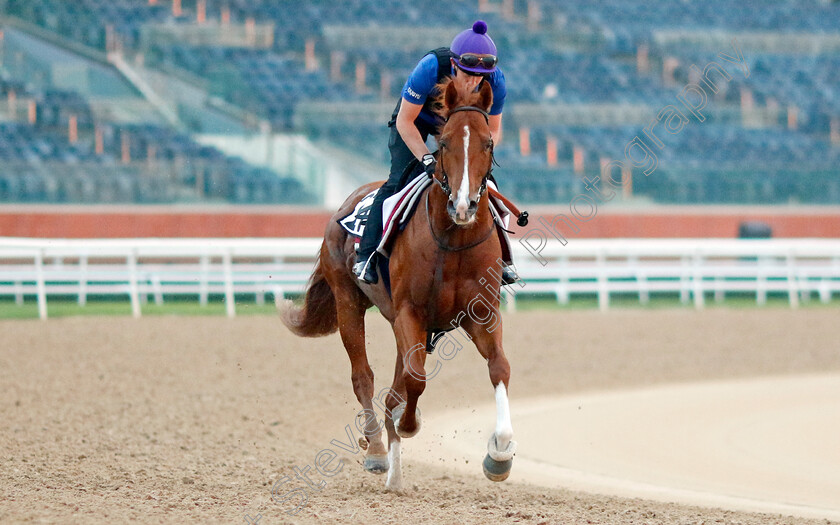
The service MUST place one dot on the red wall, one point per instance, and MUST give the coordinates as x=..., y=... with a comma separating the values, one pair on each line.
x=701, y=223
x=158, y=222
x=102, y=222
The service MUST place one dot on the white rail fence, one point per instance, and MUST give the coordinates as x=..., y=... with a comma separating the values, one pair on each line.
x=152, y=269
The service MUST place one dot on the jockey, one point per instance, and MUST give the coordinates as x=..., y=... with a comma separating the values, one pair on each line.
x=469, y=60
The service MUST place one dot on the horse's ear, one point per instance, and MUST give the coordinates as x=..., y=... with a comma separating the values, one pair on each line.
x=485, y=96
x=450, y=98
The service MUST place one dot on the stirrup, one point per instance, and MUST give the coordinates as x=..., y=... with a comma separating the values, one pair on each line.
x=365, y=270
x=509, y=276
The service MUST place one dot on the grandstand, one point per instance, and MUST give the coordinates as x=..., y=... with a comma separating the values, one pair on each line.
x=128, y=117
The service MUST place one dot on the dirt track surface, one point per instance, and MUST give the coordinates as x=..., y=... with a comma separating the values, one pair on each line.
x=765, y=444
x=192, y=419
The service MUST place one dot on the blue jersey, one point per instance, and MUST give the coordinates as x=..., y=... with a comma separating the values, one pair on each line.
x=422, y=81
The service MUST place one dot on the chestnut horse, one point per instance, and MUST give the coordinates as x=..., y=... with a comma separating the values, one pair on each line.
x=438, y=266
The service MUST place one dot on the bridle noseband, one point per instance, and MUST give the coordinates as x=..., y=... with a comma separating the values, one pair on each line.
x=444, y=183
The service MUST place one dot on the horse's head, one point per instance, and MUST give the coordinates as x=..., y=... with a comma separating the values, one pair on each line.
x=465, y=155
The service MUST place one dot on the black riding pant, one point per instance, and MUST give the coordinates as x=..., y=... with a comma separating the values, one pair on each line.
x=399, y=176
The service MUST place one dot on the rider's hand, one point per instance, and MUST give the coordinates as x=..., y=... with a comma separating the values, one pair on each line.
x=430, y=163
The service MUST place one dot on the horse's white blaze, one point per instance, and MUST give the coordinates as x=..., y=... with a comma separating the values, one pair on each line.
x=504, y=429
x=464, y=190
x=394, y=481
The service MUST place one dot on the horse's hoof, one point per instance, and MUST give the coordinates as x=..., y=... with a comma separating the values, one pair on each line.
x=376, y=463
x=496, y=470
x=396, y=415
x=394, y=487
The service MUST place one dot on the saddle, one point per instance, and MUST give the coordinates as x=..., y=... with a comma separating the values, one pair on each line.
x=398, y=209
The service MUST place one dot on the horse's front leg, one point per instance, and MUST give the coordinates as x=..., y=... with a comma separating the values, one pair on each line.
x=411, y=341
x=409, y=383
x=501, y=447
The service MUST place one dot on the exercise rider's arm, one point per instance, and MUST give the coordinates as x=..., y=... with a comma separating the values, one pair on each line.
x=408, y=131
x=495, y=122
x=412, y=138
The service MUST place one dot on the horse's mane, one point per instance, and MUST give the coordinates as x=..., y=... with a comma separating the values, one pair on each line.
x=465, y=97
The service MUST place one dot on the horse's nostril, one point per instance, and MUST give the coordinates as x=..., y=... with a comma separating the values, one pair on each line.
x=473, y=207
x=450, y=207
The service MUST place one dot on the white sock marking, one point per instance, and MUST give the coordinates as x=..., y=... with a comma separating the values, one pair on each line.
x=394, y=481
x=464, y=190
x=504, y=429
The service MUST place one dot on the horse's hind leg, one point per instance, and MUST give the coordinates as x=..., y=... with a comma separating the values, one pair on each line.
x=350, y=306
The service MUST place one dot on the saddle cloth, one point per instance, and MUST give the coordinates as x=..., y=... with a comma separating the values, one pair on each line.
x=398, y=209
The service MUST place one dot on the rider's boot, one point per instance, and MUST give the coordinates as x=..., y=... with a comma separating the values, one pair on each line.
x=365, y=269
x=509, y=276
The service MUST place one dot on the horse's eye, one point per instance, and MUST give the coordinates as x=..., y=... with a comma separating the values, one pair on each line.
x=443, y=144
x=488, y=145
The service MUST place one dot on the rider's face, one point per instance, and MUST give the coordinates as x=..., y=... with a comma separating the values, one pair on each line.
x=465, y=79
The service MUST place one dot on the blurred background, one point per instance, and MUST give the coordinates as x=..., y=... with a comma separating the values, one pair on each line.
x=275, y=102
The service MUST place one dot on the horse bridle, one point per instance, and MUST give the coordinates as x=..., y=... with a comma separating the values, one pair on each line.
x=447, y=190
x=444, y=184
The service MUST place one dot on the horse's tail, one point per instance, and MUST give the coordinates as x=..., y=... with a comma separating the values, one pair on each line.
x=318, y=315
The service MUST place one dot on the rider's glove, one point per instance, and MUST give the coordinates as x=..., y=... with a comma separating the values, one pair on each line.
x=430, y=163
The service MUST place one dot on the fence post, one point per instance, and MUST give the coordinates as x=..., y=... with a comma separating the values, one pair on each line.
x=563, y=285
x=641, y=279
x=826, y=289
x=720, y=289
x=19, y=293
x=83, y=260
x=684, y=279
x=133, y=287
x=697, y=277
x=40, y=284
x=603, y=286
x=227, y=264
x=510, y=300
x=761, y=281
x=158, y=289
x=203, y=286
x=793, y=288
